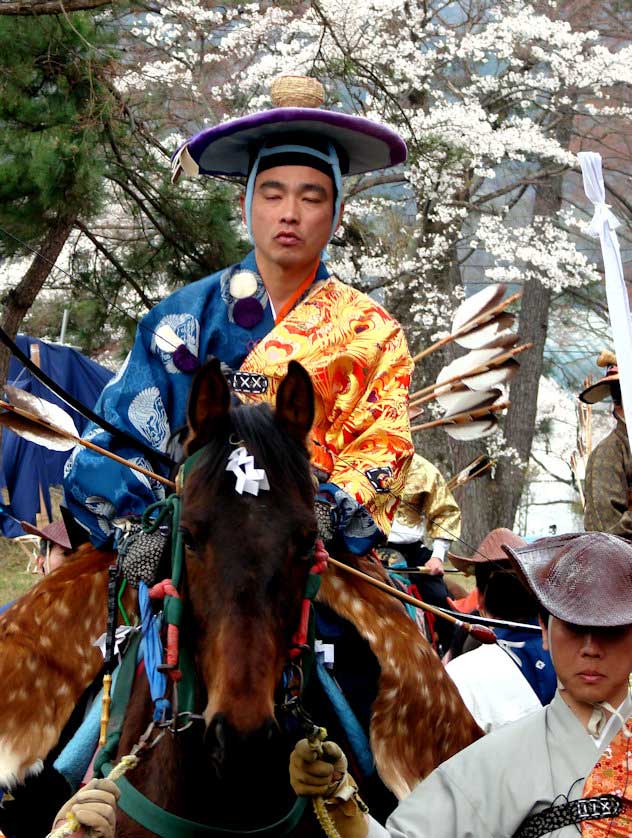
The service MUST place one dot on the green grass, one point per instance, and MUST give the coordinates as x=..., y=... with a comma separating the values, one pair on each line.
x=14, y=580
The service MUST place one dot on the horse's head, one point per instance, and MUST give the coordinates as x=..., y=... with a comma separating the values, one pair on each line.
x=248, y=556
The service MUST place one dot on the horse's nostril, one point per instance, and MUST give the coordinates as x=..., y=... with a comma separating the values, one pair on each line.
x=216, y=740
x=220, y=730
x=271, y=729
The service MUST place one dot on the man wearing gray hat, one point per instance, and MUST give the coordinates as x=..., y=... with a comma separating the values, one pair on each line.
x=528, y=778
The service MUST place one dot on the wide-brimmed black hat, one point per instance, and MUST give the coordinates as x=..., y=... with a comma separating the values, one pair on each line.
x=602, y=389
x=581, y=578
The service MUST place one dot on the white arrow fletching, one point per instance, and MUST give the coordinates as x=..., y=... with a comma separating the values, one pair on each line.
x=52, y=441
x=460, y=402
x=466, y=363
x=486, y=335
x=51, y=413
x=493, y=377
x=167, y=340
x=472, y=430
x=476, y=305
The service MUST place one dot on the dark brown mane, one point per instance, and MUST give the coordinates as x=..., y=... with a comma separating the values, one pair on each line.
x=285, y=460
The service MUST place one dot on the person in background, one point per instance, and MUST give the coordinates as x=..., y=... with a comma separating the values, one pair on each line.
x=530, y=778
x=54, y=548
x=428, y=511
x=489, y=556
x=608, y=484
x=54, y=545
x=502, y=682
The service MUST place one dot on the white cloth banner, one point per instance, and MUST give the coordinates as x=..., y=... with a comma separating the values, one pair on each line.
x=604, y=224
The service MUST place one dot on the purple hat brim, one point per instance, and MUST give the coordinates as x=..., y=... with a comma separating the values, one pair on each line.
x=226, y=149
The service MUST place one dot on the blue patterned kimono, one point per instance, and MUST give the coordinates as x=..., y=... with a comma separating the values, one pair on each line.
x=148, y=399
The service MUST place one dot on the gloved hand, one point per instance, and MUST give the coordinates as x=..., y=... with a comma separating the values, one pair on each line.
x=325, y=775
x=316, y=775
x=94, y=806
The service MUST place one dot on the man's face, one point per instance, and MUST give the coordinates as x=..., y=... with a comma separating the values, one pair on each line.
x=51, y=557
x=292, y=213
x=593, y=664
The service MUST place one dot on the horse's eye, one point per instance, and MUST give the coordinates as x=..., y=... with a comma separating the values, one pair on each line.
x=187, y=538
x=305, y=543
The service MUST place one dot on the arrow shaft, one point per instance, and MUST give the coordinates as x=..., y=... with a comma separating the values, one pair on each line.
x=417, y=603
x=454, y=484
x=460, y=418
x=86, y=443
x=483, y=318
x=435, y=388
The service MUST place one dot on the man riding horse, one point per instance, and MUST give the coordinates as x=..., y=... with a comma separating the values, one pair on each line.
x=280, y=303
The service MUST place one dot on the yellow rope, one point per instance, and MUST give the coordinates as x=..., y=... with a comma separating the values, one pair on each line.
x=71, y=823
x=320, y=810
x=324, y=819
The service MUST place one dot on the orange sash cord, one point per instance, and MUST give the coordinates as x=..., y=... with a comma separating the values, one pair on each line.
x=612, y=775
x=296, y=296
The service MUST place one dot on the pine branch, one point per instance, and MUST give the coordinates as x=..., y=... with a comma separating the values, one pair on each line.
x=50, y=7
x=119, y=267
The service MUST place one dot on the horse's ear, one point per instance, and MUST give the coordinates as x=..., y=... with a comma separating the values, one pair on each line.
x=208, y=406
x=295, y=403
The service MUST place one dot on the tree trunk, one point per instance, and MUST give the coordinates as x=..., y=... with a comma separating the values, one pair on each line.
x=489, y=503
x=17, y=302
x=432, y=443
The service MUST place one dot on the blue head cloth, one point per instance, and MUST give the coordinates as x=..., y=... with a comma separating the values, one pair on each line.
x=331, y=158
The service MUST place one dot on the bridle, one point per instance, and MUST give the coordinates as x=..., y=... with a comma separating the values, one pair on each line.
x=179, y=669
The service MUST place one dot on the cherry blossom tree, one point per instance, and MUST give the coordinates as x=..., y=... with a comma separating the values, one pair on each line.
x=493, y=100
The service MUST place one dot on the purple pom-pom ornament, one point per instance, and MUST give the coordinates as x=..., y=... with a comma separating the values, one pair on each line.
x=248, y=312
x=184, y=360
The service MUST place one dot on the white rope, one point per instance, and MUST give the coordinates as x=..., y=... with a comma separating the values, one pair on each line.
x=603, y=225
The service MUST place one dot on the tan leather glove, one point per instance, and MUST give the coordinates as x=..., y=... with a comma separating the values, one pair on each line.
x=94, y=806
x=313, y=775
x=325, y=775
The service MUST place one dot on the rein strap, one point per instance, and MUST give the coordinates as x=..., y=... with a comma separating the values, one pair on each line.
x=157, y=820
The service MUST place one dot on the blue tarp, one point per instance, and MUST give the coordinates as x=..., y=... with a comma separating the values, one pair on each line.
x=25, y=466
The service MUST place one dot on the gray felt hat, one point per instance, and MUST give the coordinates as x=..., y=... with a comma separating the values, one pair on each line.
x=581, y=578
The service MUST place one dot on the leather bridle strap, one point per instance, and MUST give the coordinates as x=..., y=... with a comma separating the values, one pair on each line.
x=157, y=820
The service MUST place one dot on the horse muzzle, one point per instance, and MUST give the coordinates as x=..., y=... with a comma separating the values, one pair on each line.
x=230, y=751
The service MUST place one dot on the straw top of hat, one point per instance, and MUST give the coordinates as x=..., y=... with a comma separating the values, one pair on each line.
x=607, y=359
x=297, y=92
